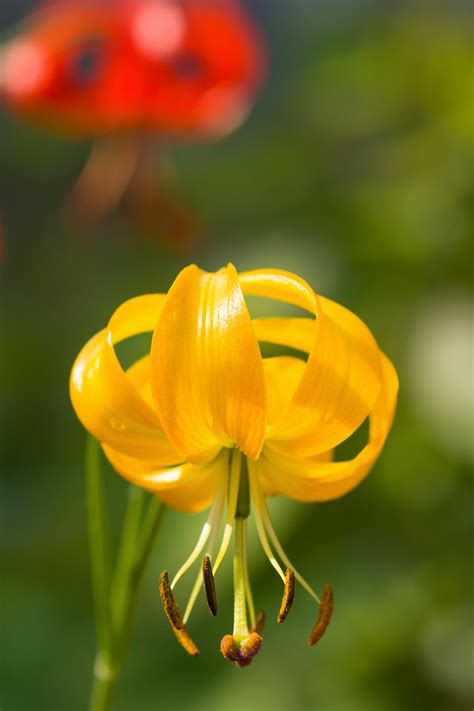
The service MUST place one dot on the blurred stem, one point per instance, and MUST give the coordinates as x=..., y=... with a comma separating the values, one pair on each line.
x=115, y=604
x=99, y=544
x=125, y=559
x=144, y=544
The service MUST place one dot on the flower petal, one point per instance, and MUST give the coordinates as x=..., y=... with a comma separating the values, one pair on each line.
x=139, y=375
x=341, y=381
x=207, y=373
x=280, y=285
x=282, y=375
x=312, y=480
x=186, y=487
x=106, y=400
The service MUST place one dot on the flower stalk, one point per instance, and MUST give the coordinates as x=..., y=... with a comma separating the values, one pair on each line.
x=99, y=546
x=115, y=597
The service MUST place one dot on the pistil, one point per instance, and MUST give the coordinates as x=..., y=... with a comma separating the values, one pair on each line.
x=241, y=646
x=241, y=630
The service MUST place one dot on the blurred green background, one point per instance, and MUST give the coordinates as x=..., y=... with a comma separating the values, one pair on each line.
x=353, y=171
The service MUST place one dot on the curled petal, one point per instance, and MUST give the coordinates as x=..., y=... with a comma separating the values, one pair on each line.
x=282, y=375
x=280, y=285
x=186, y=487
x=207, y=373
x=341, y=381
x=308, y=479
x=139, y=375
x=107, y=400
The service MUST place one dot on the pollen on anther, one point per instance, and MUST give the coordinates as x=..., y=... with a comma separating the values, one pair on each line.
x=169, y=604
x=324, y=617
x=186, y=642
x=288, y=595
x=209, y=585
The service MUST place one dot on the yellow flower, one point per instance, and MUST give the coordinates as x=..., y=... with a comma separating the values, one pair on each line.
x=204, y=420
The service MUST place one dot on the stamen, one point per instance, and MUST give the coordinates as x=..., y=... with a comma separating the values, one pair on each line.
x=324, y=617
x=288, y=595
x=231, y=507
x=277, y=544
x=259, y=521
x=169, y=603
x=197, y=584
x=186, y=642
x=259, y=623
x=209, y=585
x=213, y=521
x=173, y=615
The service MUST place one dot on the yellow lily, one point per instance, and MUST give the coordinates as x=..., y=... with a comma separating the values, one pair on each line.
x=204, y=420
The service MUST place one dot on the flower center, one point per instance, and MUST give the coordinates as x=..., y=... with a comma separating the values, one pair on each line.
x=238, y=490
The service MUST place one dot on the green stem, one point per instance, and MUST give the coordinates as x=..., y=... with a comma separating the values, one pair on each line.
x=144, y=546
x=99, y=543
x=125, y=559
x=104, y=685
x=115, y=605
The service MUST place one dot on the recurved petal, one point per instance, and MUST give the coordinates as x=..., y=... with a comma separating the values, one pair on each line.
x=282, y=375
x=310, y=479
x=341, y=381
x=280, y=285
x=207, y=374
x=186, y=487
x=106, y=400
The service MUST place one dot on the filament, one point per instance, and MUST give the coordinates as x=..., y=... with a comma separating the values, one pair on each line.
x=231, y=507
x=209, y=552
x=278, y=546
x=259, y=521
x=213, y=521
x=259, y=623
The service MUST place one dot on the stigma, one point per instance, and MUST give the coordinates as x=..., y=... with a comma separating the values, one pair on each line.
x=238, y=494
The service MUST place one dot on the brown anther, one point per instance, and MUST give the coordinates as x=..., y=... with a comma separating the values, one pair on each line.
x=242, y=653
x=169, y=603
x=259, y=623
x=209, y=585
x=186, y=642
x=324, y=617
x=288, y=595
